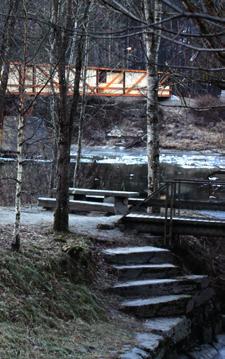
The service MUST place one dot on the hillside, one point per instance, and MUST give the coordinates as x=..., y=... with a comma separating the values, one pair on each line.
x=121, y=121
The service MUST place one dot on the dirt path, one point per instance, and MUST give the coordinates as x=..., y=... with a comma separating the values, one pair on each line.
x=82, y=224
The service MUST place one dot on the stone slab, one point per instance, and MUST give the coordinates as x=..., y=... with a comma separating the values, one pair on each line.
x=170, y=305
x=176, y=329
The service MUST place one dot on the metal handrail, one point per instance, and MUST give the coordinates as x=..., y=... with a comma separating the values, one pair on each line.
x=173, y=202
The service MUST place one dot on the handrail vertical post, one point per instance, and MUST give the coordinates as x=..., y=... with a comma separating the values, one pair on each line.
x=124, y=82
x=166, y=214
x=34, y=79
x=97, y=81
x=172, y=193
x=179, y=197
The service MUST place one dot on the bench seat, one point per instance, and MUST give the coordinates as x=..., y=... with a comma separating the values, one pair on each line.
x=99, y=192
x=86, y=206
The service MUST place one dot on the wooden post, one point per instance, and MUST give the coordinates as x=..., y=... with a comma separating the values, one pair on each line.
x=97, y=80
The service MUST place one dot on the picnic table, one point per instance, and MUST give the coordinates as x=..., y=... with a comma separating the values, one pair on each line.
x=83, y=199
x=118, y=198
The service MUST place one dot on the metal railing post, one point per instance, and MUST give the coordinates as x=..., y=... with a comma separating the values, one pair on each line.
x=166, y=213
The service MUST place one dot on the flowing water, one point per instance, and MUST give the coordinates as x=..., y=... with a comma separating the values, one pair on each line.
x=126, y=169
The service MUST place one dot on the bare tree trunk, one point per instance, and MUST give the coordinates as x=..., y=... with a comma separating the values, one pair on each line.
x=79, y=63
x=81, y=117
x=72, y=47
x=53, y=114
x=3, y=87
x=61, y=216
x=152, y=42
x=66, y=118
x=20, y=140
x=80, y=131
x=4, y=54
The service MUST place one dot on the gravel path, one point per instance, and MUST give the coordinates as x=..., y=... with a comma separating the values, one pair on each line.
x=82, y=224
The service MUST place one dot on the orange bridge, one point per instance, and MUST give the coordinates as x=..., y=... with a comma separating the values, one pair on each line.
x=43, y=79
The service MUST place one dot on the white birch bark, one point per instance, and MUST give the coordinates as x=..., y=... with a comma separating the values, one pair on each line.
x=19, y=175
x=20, y=138
x=153, y=13
x=19, y=159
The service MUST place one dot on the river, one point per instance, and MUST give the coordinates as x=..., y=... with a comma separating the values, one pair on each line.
x=121, y=168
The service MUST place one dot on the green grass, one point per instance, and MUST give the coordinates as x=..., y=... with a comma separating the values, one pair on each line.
x=41, y=288
x=48, y=307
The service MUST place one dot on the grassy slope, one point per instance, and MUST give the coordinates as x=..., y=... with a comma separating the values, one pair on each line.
x=48, y=309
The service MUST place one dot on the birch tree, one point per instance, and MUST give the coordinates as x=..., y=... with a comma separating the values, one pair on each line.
x=20, y=135
x=153, y=14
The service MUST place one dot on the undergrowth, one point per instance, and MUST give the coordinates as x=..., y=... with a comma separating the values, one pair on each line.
x=48, y=306
x=41, y=288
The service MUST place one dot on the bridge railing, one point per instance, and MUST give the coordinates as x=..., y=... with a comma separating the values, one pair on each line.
x=99, y=81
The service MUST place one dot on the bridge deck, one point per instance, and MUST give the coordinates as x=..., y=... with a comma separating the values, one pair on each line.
x=43, y=79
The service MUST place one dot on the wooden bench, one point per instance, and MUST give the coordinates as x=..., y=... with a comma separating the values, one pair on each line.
x=83, y=206
x=105, y=200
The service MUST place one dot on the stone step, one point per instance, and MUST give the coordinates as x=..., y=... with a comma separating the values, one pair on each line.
x=148, y=346
x=168, y=305
x=173, y=328
x=146, y=271
x=162, y=334
x=153, y=287
x=138, y=255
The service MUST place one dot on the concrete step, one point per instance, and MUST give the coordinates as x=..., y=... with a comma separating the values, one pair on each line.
x=138, y=255
x=168, y=305
x=146, y=271
x=153, y=287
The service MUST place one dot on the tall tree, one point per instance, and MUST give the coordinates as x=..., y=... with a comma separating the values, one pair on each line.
x=66, y=111
x=153, y=14
x=20, y=134
x=6, y=43
x=144, y=15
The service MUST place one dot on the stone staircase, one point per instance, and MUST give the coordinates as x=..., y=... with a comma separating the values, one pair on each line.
x=152, y=286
